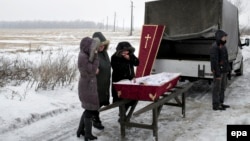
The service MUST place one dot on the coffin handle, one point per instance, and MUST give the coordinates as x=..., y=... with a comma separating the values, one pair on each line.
x=152, y=96
x=169, y=86
x=119, y=93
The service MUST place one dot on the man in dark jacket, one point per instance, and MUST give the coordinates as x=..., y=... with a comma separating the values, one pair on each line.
x=123, y=62
x=220, y=68
x=103, y=76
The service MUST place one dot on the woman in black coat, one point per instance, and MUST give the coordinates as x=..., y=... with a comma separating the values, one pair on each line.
x=103, y=77
x=123, y=62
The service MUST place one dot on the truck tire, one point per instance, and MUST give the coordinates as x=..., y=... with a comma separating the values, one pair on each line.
x=239, y=72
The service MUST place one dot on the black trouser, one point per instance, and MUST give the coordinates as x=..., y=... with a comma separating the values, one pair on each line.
x=219, y=89
x=86, y=114
x=90, y=113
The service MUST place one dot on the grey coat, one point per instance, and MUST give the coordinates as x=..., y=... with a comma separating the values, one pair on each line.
x=87, y=65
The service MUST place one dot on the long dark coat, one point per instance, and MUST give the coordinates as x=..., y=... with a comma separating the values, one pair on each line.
x=88, y=64
x=103, y=78
x=123, y=68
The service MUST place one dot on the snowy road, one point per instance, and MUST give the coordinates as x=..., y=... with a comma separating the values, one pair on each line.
x=62, y=127
x=59, y=127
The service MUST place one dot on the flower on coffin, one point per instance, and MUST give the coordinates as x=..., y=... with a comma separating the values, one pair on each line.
x=152, y=96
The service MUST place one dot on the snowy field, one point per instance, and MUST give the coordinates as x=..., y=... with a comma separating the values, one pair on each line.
x=29, y=115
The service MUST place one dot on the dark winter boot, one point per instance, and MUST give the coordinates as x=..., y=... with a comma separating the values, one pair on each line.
x=88, y=130
x=97, y=122
x=80, y=130
x=225, y=106
x=218, y=108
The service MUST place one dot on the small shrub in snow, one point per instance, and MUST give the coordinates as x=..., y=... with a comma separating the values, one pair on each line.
x=18, y=70
x=47, y=73
x=52, y=72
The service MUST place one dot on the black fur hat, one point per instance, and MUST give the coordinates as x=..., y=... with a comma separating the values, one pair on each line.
x=122, y=46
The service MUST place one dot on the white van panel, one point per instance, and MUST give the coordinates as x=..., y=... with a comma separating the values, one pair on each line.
x=187, y=68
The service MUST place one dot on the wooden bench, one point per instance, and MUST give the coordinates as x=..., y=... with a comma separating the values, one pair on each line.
x=155, y=106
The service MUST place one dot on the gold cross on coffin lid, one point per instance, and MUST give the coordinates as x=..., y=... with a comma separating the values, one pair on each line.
x=150, y=41
x=147, y=38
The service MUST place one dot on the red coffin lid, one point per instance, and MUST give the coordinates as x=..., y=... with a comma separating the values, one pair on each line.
x=150, y=41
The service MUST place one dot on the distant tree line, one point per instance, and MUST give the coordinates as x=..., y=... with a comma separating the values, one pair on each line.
x=245, y=31
x=50, y=24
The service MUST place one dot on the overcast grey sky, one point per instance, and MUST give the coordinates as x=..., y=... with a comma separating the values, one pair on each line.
x=88, y=10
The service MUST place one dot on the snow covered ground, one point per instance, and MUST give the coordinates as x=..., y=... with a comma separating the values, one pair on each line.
x=29, y=115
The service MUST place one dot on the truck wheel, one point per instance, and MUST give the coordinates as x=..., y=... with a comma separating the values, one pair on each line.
x=239, y=72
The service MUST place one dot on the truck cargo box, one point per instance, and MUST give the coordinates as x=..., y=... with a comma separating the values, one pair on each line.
x=195, y=20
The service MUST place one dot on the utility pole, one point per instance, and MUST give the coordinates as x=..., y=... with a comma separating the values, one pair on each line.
x=123, y=25
x=107, y=25
x=114, y=21
x=131, y=24
x=103, y=24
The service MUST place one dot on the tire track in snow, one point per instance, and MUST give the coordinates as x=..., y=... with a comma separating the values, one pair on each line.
x=60, y=127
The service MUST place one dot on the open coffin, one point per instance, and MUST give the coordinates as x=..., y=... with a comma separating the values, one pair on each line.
x=147, y=87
